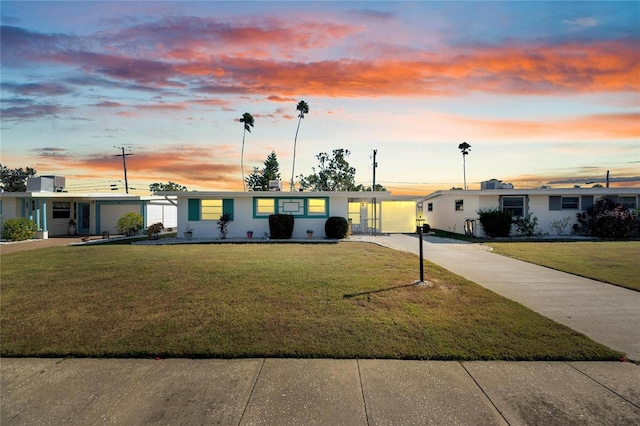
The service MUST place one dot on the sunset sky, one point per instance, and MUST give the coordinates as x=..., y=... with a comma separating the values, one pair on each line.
x=546, y=93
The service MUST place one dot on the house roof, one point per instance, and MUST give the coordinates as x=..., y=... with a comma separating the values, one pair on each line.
x=539, y=191
x=81, y=195
x=357, y=195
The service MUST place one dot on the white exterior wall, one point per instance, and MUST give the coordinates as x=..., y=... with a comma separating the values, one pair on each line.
x=8, y=209
x=445, y=217
x=110, y=213
x=539, y=207
x=165, y=213
x=244, y=221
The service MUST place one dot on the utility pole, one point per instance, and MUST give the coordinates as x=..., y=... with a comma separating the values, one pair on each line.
x=373, y=188
x=124, y=164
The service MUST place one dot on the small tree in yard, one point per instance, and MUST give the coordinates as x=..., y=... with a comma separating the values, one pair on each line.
x=495, y=222
x=130, y=224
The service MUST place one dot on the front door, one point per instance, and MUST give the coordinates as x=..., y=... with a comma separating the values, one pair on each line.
x=84, y=218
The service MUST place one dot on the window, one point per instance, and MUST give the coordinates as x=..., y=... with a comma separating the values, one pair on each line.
x=459, y=205
x=557, y=202
x=61, y=210
x=354, y=212
x=295, y=206
x=513, y=204
x=570, y=203
x=430, y=207
x=628, y=202
x=317, y=206
x=211, y=209
x=265, y=206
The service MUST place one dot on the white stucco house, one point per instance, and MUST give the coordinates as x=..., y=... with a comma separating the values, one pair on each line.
x=46, y=203
x=366, y=211
x=456, y=210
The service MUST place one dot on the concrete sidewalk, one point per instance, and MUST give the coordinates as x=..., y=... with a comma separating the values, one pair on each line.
x=316, y=392
x=608, y=314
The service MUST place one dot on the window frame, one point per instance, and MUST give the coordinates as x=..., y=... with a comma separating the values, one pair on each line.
x=628, y=201
x=211, y=212
x=279, y=202
x=459, y=205
x=513, y=208
x=58, y=212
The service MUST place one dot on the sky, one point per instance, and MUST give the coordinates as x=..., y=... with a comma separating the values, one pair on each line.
x=546, y=93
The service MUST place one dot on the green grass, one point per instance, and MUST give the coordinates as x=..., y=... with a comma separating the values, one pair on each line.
x=614, y=262
x=272, y=300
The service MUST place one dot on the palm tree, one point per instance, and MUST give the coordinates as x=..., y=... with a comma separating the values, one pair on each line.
x=247, y=119
x=464, y=147
x=303, y=107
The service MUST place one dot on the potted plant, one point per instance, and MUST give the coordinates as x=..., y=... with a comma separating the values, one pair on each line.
x=153, y=231
x=310, y=233
x=72, y=227
x=188, y=233
x=249, y=234
x=223, y=225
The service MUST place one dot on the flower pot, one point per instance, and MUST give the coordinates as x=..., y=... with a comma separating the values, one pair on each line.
x=249, y=234
x=72, y=230
x=187, y=235
x=309, y=234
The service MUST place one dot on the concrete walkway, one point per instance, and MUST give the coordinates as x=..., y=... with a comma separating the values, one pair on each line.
x=36, y=391
x=608, y=314
x=317, y=392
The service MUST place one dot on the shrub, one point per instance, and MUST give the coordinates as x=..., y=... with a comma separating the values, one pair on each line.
x=281, y=226
x=607, y=219
x=223, y=224
x=154, y=229
x=336, y=227
x=130, y=224
x=495, y=222
x=560, y=225
x=19, y=229
x=526, y=226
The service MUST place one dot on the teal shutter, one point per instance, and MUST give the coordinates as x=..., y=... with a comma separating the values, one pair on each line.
x=194, y=209
x=227, y=206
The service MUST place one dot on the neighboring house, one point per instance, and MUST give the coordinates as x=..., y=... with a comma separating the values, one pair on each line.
x=456, y=210
x=93, y=213
x=250, y=211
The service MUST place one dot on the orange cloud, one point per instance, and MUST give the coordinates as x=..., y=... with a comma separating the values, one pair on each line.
x=595, y=126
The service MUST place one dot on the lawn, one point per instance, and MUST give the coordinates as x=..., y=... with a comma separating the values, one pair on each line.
x=615, y=262
x=346, y=300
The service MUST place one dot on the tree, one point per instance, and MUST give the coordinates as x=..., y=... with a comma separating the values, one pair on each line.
x=303, y=107
x=334, y=173
x=15, y=180
x=248, y=121
x=258, y=180
x=464, y=147
x=169, y=186
x=361, y=187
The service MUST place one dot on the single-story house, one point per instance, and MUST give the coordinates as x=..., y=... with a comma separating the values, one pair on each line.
x=93, y=213
x=367, y=212
x=456, y=210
